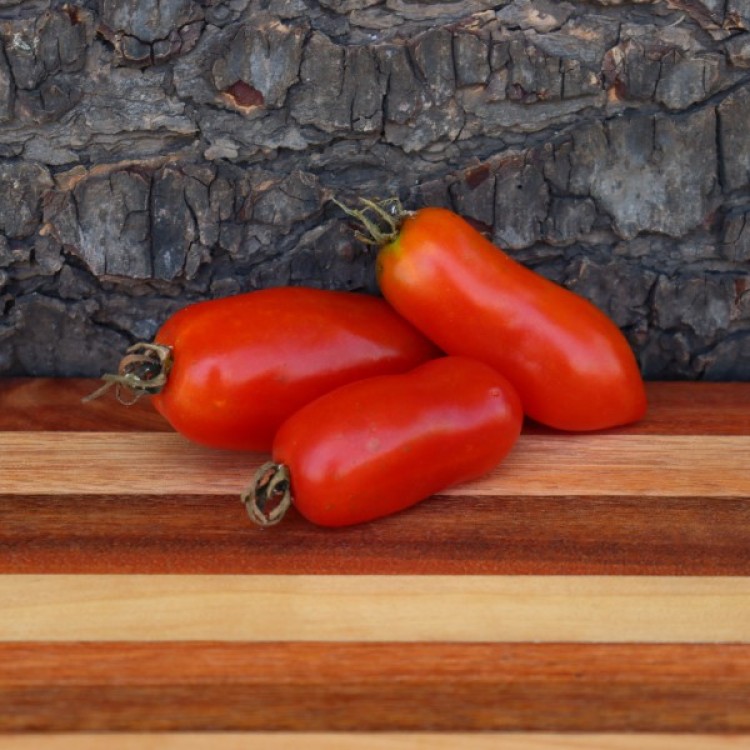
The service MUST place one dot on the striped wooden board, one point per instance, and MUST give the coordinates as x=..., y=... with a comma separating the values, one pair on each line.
x=593, y=591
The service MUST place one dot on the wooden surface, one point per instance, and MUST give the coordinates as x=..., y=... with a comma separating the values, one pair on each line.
x=372, y=741
x=594, y=591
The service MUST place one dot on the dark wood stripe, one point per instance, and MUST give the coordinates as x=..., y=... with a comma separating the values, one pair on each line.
x=55, y=404
x=316, y=686
x=695, y=408
x=28, y=404
x=485, y=535
x=689, y=408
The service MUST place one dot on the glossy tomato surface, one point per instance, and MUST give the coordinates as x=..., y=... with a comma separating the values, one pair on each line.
x=374, y=447
x=571, y=365
x=243, y=364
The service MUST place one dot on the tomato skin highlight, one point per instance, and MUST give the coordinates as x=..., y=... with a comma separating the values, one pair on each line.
x=377, y=446
x=571, y=365
x=243, y=364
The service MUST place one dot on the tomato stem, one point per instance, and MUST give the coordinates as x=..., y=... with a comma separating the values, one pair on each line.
x=269, y=495
x=389, y=212
x=142, y=370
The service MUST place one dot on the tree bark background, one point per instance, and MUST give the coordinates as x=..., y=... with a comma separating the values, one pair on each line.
x=157, y=153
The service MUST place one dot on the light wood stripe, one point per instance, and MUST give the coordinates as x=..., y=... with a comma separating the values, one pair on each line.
x=378, y=741
x=571, y=609
x=592, y=464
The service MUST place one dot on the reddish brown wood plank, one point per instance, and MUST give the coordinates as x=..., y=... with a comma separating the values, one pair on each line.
x=211, y=686
x=486, y=535
x=689, y=408
x=374, y=741
x=694, y=408
x=55, y=404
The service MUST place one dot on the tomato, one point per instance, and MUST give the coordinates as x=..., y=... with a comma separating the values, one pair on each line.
x=227, y=372
x=377, y=446
x=571, y=365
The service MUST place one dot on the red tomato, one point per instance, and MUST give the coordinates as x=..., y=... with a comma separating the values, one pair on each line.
x=571, y=365
x=374, y=447
x=237, y=367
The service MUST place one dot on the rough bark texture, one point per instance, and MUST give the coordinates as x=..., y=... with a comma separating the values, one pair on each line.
x=156, y=153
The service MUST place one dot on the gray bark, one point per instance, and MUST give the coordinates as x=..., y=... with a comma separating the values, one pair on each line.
x=156, y=153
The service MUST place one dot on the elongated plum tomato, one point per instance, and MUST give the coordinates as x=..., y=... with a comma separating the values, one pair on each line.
x=237, y=367
x=374, y=447
x=571, y=365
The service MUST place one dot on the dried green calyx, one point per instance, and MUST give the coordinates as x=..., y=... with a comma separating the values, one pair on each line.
x=143, y=370
x=380, y=220
x=269, y=495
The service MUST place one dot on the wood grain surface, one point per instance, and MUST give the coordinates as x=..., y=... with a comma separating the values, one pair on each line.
x=366, y=687
x=373, y=741
x=592, y=584
x=345, y=608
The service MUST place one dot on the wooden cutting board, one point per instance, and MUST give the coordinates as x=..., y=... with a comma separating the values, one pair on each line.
x=592, y=584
